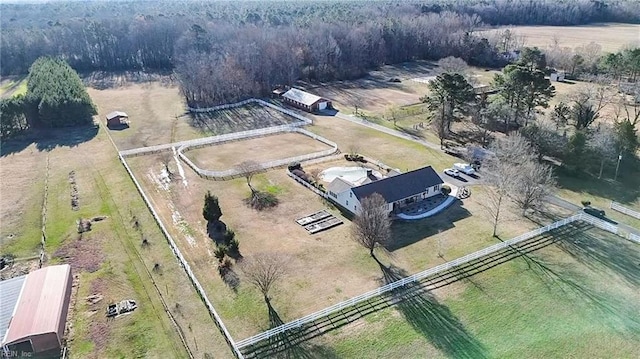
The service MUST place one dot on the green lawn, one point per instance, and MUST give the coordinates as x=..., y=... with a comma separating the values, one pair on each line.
x=578, y=299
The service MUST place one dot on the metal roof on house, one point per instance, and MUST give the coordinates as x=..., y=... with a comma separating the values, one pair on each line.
x=9, y=293
x=302, y=97
x=400, y=186
x=115, y=114
x=41, y=304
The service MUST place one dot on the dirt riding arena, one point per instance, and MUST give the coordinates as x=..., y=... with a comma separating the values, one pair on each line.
x=260, y=149
x=243, y=118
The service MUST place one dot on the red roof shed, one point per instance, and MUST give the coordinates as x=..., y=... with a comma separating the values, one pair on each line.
x=40, y=315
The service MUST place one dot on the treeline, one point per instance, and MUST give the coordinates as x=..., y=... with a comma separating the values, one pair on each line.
x=223, y=63
x=55, y=98
x=141, y=35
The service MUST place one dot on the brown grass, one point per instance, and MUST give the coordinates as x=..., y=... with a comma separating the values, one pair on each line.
x=156, y=112
x=260, y=149
x=611, y=36
x=326, y=267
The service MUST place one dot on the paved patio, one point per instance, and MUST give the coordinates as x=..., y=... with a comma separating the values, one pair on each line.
x=429, y=206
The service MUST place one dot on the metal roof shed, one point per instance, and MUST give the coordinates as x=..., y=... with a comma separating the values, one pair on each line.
x=9, y=294
x=39, y=318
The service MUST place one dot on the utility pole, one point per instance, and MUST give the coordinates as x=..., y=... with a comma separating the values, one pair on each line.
x=617, y=166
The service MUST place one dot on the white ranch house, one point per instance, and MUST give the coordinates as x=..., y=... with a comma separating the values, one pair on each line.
x=399, y=191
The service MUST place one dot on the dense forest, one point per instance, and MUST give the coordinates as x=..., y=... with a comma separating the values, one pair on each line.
x=222, y=51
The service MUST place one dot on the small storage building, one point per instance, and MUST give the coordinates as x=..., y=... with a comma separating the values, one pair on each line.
x=117, y=118
x=39, y=314
x=305, y=100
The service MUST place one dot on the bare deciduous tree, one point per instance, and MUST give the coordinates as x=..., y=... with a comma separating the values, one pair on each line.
x=263, y=270
x=371, y=225
x=509, y=153
x=532, y=183
x=602, y=141
x=248, y=169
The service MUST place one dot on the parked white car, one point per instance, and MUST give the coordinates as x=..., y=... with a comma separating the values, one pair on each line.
x=452, y=172
x=464, y=168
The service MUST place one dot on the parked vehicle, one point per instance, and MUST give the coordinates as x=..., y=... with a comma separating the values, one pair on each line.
x=452, y=172
x=594, y=211
x=464, y=168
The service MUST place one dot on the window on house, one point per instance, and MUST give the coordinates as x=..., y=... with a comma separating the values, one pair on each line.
x=355, y=208
x=347, y=203
x=350, y=194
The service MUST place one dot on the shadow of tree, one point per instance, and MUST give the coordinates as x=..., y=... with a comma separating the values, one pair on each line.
x=48, y=139
x=404, y=233
x=289, y=350
x=595, y=252
x=571, y=289
x=432, y=319
x=625, y=190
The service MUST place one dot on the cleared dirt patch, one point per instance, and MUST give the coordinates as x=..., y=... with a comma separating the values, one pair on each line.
x=260, y=149
x=243, y=118
x=611, y=36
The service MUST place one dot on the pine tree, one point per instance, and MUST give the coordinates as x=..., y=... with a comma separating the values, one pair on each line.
x=56, y=96
x=211, y=211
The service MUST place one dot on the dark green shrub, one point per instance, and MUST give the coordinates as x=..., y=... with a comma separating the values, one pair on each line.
x=234, y=246
x=445, y=190
x=586, y=203
x=220, y=252
x=229, y=236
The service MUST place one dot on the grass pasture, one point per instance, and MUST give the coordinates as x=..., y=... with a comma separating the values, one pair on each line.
x=156, y=113
x=13, y=86
x=568, y=299
x=243, y=118
x=261, y=149
x=611, y=37
x=109, y=261
x=340, y=268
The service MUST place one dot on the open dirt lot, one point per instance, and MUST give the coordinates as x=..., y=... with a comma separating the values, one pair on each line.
x=611, y=36
x=248, y=117
x=260, y=149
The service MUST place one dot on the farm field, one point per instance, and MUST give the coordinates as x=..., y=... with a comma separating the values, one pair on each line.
x=611, y=36
x=108, y=262
x=341, y=269
x=374, y=93
x=565, y=300
x=260, y=149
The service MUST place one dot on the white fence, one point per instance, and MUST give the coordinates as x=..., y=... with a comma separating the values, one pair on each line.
x=232, y=172
x=307, y=184
x=185, y=265
x=430, y=272
x=628, y=211
x=252, y=100
x=303, y=121
x=401, y=283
